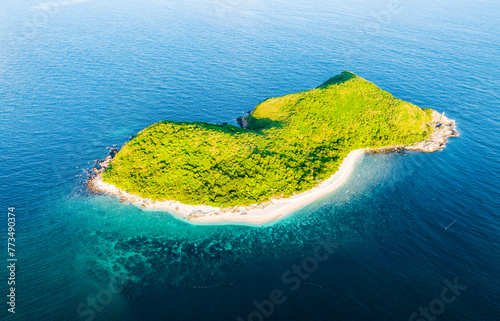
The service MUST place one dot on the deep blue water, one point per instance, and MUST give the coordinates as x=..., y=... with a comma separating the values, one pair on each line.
x=79, y=76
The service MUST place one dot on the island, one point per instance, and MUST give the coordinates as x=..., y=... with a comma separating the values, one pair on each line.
x=288, y=152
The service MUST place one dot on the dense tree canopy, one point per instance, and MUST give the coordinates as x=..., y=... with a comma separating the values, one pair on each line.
x=289, y=144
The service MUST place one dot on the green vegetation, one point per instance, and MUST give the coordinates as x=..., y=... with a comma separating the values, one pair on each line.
x=290, y=143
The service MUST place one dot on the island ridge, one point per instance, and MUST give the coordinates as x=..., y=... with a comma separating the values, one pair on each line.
x=286, y=146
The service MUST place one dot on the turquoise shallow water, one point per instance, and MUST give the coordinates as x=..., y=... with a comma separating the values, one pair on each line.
x=79, y=77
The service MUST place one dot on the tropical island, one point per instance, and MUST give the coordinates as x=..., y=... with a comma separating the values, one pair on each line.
x=288, y=152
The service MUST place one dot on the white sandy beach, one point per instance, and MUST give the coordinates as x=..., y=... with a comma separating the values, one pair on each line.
x=249, y=215
x=259, y=214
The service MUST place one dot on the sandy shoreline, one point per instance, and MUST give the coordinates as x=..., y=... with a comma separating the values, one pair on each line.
x=257, y=214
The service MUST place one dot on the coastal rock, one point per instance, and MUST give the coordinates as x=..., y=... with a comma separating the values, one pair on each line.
x=195, y=214
x=242, y=121
x=100, y=166
x=105, y=163
x=113, y=152
x=443, y=128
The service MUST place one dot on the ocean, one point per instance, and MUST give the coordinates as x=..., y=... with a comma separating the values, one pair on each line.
x=412, y=237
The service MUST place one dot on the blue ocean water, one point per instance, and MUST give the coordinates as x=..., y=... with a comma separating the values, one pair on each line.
x=77, y=76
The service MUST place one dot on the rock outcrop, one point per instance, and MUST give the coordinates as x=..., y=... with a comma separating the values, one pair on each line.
x=443, y=128
x=242, y=121
x=113, y=152
x=99, y=168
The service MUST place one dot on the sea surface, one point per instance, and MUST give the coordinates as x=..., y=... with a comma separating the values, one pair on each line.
x=78, y=76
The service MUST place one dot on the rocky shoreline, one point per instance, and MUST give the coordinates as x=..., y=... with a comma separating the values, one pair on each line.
x=96, y=185
x=255, y=214
x=102, y=165
x=443, y=128
x=242, y=120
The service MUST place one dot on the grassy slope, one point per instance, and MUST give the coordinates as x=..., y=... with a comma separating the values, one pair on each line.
x=292, y=142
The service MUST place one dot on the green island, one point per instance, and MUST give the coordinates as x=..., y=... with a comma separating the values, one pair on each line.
x=285, y=146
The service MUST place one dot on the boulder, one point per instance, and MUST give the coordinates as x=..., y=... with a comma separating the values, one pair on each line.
x=113, y=152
